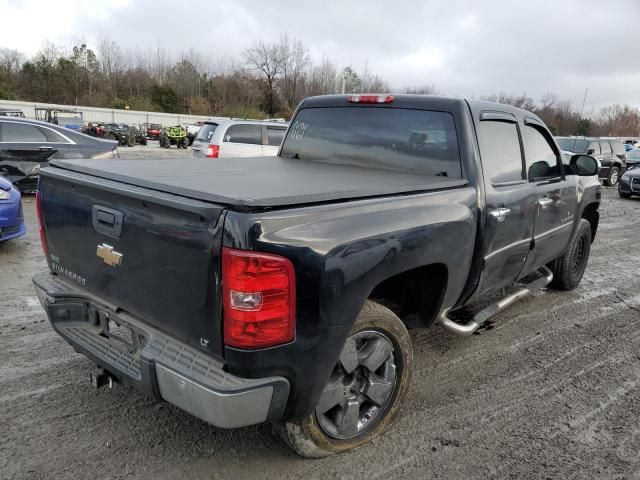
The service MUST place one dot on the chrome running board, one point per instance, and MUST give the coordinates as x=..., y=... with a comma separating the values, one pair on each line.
x=486, y=313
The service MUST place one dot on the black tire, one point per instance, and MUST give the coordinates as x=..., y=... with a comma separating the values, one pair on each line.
x=613, y=177
x=308, y=438
x=143, y=141
x=131, y=141
x=569, y=268
x=624, y=195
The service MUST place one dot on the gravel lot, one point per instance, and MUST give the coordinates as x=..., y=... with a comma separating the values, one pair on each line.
x=550, y=392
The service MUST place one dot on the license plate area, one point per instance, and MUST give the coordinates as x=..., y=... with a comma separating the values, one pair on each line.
x=121, y=334
x=117, y=332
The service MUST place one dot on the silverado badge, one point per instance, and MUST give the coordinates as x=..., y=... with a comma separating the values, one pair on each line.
x=109, y=255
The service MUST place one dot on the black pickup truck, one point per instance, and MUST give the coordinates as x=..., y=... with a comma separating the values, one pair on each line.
x=275, y=289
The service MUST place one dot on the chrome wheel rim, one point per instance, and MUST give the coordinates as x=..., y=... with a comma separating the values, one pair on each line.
x=614, y=177
x=360, y=388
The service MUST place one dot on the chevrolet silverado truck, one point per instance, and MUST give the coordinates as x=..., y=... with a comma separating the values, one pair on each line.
x=278, y=288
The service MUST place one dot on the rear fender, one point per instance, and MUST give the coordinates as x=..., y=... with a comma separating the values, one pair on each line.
x=341, y=252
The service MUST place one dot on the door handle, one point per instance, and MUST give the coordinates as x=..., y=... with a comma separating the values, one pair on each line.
x=196, y=149
x=499, y=214
x=45, y=148
x=545, y=202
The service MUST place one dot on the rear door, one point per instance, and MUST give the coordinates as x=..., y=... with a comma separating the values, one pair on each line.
x=556, y=195
x=24, y=148
x=242, y=140
x=272, y=139
x=510, y=200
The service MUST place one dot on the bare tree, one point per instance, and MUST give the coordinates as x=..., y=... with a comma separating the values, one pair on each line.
x=295, y=61
x=422, y=90
x=267, y=60
x=323, y=79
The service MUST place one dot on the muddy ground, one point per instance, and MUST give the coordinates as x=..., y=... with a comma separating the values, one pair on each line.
x=551, y=392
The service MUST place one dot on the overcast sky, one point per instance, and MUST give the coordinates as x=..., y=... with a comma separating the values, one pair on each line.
x=464, y=47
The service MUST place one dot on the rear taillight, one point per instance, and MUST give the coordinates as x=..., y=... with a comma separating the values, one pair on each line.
x=259, y=299
x=370, y=98
x=213, y=151
x=43, y=239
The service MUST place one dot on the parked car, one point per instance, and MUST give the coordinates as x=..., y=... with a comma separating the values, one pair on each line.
x=11, y=218
x=11, y=112
x=630, y=180
x=220, y=279
x=610, y=152
x=238, y=138
x=27, y=145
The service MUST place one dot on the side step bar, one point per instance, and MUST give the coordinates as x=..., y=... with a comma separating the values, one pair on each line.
x=485, y=314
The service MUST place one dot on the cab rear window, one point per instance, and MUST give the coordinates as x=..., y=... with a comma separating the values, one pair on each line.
x=419, y=141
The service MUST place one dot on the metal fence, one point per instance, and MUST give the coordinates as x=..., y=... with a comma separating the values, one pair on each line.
x=110, y=115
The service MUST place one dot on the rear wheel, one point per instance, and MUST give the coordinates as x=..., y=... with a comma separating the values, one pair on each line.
x=612, y=178
x=569, y=268
x=365, y=391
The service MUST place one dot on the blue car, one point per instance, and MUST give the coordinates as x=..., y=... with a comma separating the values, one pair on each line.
x=11, y=219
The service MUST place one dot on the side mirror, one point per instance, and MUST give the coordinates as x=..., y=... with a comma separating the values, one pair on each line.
x=584, y=165
x=591, y=151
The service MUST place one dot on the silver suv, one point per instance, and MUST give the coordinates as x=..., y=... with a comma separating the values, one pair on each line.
x=238, y=138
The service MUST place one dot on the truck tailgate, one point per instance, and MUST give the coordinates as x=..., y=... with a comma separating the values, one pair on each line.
x=149, y=253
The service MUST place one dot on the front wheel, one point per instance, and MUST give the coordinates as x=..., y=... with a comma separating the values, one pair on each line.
x=569, y=268
x=624, y=195
x=365, y=392
x=612, y=178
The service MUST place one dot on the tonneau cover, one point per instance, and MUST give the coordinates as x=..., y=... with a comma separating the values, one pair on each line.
x=260, y=181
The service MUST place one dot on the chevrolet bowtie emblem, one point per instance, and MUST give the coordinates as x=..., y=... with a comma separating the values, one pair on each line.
x=109, y=255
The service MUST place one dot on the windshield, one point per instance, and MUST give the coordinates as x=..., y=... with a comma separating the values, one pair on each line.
x=66, y=120
x=575, y=145
x=206, y=132
x=386, y=138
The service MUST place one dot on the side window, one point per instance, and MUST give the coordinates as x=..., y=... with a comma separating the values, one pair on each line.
x=542, y=161
x=594, y=148
x=500, y=151
x=275, y=136
x=53, y=137
x=21, y=132
x=606, y=148
x=251, y=134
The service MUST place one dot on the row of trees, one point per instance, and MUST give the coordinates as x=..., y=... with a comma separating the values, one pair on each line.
x=563, y=118
x=267, y=79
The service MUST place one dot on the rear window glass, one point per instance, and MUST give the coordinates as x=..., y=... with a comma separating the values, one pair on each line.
x=251, y=134
x=206, y=132
x=275, y=136
x=418, y=141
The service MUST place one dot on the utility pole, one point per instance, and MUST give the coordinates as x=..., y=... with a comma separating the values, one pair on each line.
x=584, y=100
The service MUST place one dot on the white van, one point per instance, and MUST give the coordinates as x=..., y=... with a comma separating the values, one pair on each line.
x=238, y=138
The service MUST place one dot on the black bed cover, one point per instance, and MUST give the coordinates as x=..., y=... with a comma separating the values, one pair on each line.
x=259, y=181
